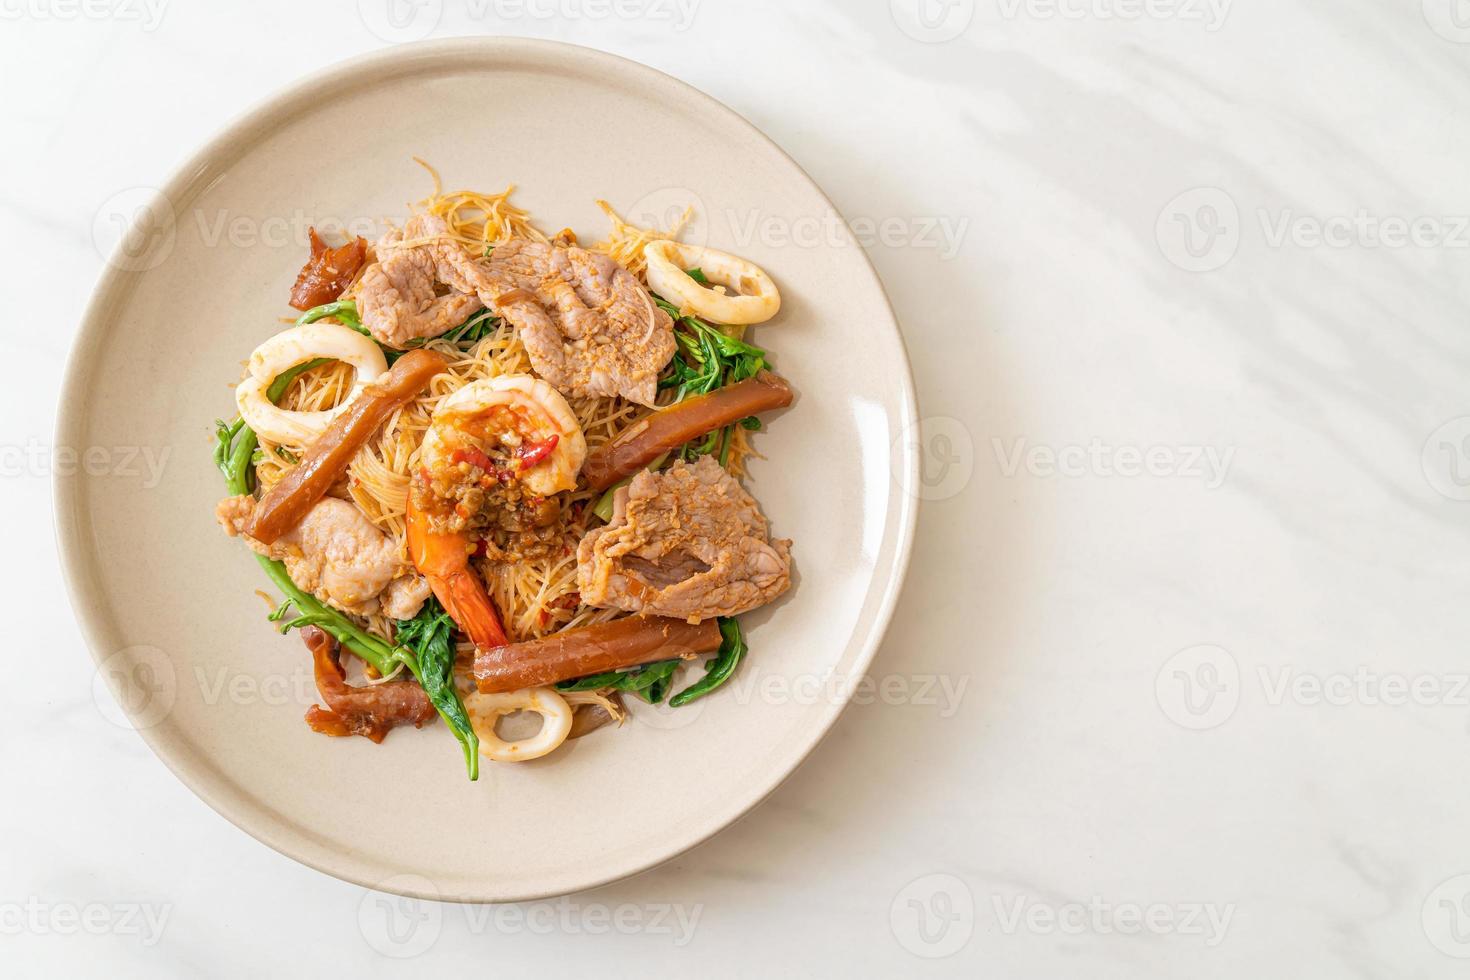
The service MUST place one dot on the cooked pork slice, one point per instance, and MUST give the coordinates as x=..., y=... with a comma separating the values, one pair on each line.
x=686, y=542
x=336, y=554
x=400, y=300
x=371, y=710
x=588, y=324
x=404, y=596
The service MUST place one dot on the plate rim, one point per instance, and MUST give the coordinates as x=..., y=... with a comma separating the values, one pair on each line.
x=115, y=280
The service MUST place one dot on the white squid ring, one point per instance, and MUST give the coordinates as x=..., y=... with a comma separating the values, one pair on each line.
x=286, y=350
x=754, y=297
x=486, y=709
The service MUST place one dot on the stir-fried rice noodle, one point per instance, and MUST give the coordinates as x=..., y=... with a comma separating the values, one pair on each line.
x=535, y=597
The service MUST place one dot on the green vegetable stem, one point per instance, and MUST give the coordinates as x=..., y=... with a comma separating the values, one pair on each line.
x=427, y=648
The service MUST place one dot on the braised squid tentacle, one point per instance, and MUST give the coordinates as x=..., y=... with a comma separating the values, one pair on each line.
x=592, y=650
x=234, y=450
x=327, y=458
x=669, y=428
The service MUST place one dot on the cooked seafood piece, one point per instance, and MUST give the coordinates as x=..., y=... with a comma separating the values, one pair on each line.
x=593, y=649
x=285, y=351
x=739, y=292
x=686, y=542
x=328, y=456
x=398, y=298
x=372, y=710
x=497, y=453
x=669, y=428
x=512, y=425
x=336, y=554
x=486, y=461
x=327, y=272
x=443, y=556
x=485, y=710
x=587, y=322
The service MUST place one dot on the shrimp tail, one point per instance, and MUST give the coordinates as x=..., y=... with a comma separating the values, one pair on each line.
x=443, y=558
x=467, y=603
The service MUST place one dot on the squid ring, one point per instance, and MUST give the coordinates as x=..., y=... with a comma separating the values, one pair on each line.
x=753, y=297
x=486, y=709
x=286, y=350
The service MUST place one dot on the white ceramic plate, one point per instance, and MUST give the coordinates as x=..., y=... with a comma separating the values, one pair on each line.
x=166, y=601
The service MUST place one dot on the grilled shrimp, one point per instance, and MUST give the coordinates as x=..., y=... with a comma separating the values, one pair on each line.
x=514, y=425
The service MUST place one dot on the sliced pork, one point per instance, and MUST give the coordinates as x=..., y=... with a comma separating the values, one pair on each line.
x=687, y=542
x=409, y=294
x=337, y=555
x=588, y=324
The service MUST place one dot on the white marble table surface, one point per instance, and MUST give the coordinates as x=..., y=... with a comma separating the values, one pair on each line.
x=1178, y=685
